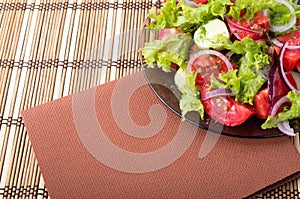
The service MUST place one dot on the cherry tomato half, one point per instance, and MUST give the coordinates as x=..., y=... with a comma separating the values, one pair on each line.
x=226, y=110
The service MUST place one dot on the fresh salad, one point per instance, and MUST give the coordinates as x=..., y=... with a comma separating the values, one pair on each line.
x=234, y=59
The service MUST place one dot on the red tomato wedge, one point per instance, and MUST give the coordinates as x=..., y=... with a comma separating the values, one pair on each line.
x=298, y=21
x=291, y=58
x=262, y=104
x=277, y=87
x=254, y=28
x=226, y=110
x=205, y=66
x=201, y=1
x=280, y=90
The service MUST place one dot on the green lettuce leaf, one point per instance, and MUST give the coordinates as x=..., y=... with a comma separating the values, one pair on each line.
x=287, y=114
x=279, y=14
x=193, y=17
x=190, y=99
x=186, y=18
x=165, y=17
x=171, y=49
x=231, y=78
x=250, y=7
x=246, y=81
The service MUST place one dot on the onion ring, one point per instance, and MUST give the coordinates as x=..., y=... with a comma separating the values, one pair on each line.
x=278, y=104
x=292, y=22
x=191, y=3
x=281, y=68
x=217, y=93
x=279, y=45
x=285, y=128
x=211, y=52
x=243, y=28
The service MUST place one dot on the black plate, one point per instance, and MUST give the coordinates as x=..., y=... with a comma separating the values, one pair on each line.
x=163, y=85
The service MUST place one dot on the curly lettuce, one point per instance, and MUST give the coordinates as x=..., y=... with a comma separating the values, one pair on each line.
x=171, y=49
x=166, y=17
x=245, y=81
x=194, y=17
x=184, y=17
x=190, y=99
x=249, y=7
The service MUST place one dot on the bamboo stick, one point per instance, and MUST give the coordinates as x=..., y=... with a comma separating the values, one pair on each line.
x=88, y=48
x=92, y=47
x=5, y=40
x=81, y=81
x=44, y=92
x=56, y=41
x=30, y=89
x=66, y=53
x=102, y=38
x=96, y=45
x=8, y=56
x=111, y=40
x=74, y=73
x=8, y=29
x=137, y=26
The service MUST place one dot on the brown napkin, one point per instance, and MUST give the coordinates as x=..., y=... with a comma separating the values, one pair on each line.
x=78, y=161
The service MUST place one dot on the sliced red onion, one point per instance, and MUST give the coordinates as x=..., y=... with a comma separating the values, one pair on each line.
x=278, y=104
x=229, y=54
x=285, y=128
x=281, y=68
x=217, y=93
x=292, y=22
x=242, y=28
x=191, y=3
x=210, y=52
x=279, y=45
x=273, y=76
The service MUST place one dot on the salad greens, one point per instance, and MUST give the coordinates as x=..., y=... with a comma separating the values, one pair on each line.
x=245, y=81
x=192, y=17
x=250, y=8
x=204, y=27
x=213, y=34
x=171, y=49
x=280, y=14
x=186, y=18
x=166, y=17
x=190, y=100
x=287, y=113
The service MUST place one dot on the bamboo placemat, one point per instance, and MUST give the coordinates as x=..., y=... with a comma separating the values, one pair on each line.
x=52, y=48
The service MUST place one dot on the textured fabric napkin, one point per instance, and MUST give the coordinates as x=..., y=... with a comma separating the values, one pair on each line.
x=110, y=142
